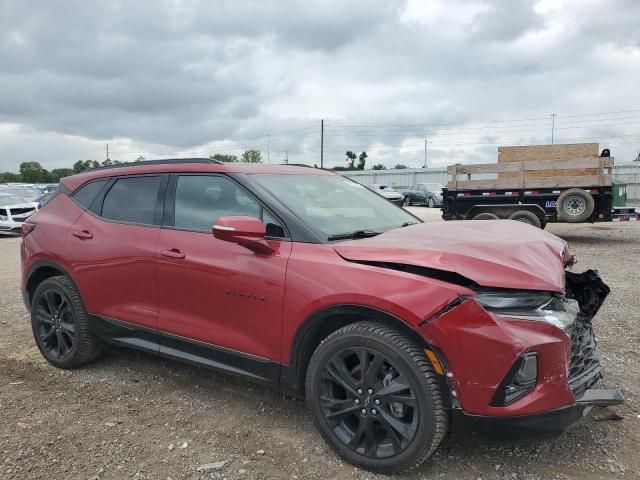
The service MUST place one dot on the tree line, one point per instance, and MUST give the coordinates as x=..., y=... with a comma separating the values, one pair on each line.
x=33, y=172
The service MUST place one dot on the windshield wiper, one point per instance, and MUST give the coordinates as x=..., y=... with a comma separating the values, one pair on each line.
x=407, y=224
x=354, y=235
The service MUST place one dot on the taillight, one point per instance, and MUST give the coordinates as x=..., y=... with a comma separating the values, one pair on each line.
x=27, y=228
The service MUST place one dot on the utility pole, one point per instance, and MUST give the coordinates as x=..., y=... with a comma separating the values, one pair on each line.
x=553, y=125
x=107, y=151
x=426, y=153
x=268, y=149
x=322, y=143
x=286, y=158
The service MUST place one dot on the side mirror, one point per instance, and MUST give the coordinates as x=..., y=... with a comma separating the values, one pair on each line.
x=243, y=230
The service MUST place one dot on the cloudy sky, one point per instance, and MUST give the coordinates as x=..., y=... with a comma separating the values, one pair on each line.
x=163, y=78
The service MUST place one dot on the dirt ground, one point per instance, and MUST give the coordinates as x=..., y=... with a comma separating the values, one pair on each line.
x=131, y=415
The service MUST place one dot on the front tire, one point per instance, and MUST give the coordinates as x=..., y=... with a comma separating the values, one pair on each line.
x=407, y=202
x=61, y=326
x=375, y=398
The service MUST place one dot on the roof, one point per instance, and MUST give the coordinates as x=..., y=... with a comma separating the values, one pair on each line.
x=190, y=165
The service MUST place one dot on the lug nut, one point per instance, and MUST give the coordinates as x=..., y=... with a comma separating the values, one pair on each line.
x=377, y=401
x=359, y=391
x=374, y=412
x=357, y=401
x=370, y=391
x=363, y=411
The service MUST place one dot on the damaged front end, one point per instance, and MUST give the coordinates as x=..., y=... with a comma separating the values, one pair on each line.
x=590, y=292
x=527, y=365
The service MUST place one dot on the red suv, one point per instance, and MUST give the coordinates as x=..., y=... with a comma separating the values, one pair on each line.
x=396, y=331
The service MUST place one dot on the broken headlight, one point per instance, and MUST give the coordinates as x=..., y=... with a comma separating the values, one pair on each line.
x=540, y=307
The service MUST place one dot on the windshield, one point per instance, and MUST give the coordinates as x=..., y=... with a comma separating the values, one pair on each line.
x=334, y=205
x=12, y=200
x=24, y=192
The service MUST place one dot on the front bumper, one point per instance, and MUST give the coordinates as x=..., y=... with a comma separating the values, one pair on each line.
x=524, y=429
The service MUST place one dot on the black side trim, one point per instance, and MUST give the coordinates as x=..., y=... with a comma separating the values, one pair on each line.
x=118, y=332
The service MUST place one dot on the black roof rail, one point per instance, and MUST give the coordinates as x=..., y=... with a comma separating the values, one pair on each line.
x=297, y=165
x=156, y=162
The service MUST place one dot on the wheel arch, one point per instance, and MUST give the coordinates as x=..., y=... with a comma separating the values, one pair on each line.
x=40, y=271
x=323, y=323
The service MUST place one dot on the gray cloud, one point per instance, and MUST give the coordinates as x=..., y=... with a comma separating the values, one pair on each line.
x=168, y=77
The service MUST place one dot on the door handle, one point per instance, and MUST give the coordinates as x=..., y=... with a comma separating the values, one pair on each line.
x=173, y=253
x=84, y=234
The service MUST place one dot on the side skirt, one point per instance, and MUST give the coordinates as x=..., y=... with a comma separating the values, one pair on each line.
x=194, y=352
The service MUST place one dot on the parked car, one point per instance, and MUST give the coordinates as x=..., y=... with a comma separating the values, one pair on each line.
x=26, y=192
x=396, y=331
x=429, y=194
x=388, y=192
x=14, y=210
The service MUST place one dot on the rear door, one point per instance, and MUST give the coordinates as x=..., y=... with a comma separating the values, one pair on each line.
x=217, y=296
x=112, y=250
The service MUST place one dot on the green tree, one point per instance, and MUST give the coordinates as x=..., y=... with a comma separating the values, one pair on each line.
x=252, y=156
x=400, y=166
x=379, y=166
x=362, y=158
x=33, y=172
x=224, y=158
x=10, y=177
x=351, y=158
x=57, y=173
x=82, y=165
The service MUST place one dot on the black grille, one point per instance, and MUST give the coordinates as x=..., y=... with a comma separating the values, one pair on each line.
x=22, y=211
x=584, y=362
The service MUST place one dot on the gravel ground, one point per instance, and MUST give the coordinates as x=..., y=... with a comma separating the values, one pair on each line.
x=130, y=415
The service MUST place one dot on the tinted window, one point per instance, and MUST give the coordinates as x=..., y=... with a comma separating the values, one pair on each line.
x=132, y=200
x=202, y=199
x=88, y=192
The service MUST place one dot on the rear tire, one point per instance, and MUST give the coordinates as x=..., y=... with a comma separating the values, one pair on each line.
x=431, y=203
x=525, y=216
x=375, y=398
x=486, y=216
x=61, y=326
x=575, y=205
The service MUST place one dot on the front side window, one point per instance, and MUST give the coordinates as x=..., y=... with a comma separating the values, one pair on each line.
x=202, y=199
x=334, y=205
x=132, y=200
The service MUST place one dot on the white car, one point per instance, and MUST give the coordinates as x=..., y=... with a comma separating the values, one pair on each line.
x=388, y=192
x=14, y=210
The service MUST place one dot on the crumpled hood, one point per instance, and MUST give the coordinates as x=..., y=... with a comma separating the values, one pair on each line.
x=491, y=253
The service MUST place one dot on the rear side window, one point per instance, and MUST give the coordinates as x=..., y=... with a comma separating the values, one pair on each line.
x=88, y=192
x=132, y=200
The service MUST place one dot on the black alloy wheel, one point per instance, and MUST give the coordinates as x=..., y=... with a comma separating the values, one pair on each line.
x=60, y=324
x=54, y=325
x=375, y=398
x=368, y=403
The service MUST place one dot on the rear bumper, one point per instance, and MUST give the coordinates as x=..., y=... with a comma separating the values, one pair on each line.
x=518, y=430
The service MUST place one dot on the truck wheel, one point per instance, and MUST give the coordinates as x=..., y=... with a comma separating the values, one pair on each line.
x=575, y=205
x=525, y=216
x=375, y=398
x=486, y=216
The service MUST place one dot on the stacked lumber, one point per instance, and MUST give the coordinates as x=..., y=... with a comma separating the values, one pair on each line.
x=543, y=153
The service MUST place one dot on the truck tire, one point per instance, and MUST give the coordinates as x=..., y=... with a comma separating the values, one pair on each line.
x=575, y=205
x=486, y=216
x=365, y=384
x=525, y=216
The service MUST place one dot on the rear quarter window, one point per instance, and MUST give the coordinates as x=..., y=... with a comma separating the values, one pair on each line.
x=132, y=200
x=86, y=194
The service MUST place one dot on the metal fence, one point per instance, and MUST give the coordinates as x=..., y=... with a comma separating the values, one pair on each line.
x=402, y=179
